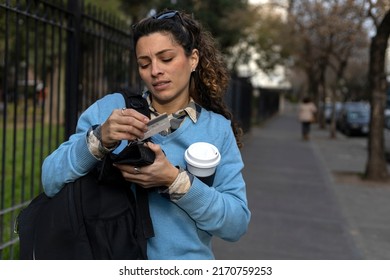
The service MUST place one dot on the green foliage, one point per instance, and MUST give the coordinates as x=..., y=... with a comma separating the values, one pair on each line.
x=23, y=157
x=25, y=40
x=225, y=19
x=270, y=41
x=112, y=7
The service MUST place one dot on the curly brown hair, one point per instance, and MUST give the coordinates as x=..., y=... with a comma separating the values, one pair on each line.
x=211, y=79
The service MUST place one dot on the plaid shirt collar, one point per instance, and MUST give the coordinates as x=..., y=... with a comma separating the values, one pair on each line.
x=192, y=110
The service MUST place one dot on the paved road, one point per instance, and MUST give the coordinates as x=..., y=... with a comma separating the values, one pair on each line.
x=306, y=199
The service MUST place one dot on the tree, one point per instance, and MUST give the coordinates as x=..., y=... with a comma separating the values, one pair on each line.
x=346, y=34
x=325, y=37
x=225, y=19
x=258, y=42
x=111, y=8
x=317, y=27
x=269, y=38
x=376, y=168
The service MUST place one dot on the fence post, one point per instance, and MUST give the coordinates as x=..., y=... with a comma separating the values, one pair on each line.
x=72, y=67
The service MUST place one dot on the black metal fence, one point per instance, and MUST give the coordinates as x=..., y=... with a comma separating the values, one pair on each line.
x=268, y=102
x=56, y=58
x=239, y=101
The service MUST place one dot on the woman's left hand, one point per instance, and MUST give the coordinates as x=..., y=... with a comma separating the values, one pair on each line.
x=160, y=173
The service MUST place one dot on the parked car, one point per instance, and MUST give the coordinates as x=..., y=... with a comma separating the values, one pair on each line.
x=328, y=110
x=386, y=133
x=354, y=118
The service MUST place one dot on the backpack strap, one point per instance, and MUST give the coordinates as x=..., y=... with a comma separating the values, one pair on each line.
x=143, y=206
x=135, y=101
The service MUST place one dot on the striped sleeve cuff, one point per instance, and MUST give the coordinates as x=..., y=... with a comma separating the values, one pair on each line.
x=95, y=146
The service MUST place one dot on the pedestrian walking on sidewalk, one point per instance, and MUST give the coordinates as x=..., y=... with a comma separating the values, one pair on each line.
x=306, y=115
x=186, y=78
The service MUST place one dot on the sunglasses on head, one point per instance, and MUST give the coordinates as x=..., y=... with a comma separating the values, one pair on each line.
x=166, y=15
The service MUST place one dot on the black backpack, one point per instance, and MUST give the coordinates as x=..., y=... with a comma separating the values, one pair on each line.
x=96, y=217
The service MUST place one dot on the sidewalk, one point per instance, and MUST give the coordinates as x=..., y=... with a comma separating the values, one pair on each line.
x=306, y=199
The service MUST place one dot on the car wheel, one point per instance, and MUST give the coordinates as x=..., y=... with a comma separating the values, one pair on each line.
x=348, y=131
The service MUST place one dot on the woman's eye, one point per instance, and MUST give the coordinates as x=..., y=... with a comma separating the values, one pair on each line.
x=167, y=59
x=143, y=66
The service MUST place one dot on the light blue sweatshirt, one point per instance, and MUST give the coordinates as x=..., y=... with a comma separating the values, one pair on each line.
x=183, y=229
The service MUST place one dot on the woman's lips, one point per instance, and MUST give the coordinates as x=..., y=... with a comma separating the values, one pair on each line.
x=161, y=85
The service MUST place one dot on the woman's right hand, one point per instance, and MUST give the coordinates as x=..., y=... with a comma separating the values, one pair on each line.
x=123, y=124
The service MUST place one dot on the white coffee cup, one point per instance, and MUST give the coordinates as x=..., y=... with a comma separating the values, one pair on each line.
x=202, y=160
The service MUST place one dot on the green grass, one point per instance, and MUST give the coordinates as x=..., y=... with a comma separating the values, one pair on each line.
x=22, y=150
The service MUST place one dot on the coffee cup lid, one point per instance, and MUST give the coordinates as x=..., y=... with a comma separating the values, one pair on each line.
x=202, y=155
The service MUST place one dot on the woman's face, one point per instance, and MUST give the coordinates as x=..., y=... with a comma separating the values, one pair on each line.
x=166, y=70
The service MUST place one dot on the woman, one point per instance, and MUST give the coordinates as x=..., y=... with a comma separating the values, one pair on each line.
x=186, y=78
x=306, y=116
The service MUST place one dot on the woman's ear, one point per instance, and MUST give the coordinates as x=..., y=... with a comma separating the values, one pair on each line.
x=194, y=59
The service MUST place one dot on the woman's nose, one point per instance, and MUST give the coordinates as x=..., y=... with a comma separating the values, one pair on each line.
x=156, y=69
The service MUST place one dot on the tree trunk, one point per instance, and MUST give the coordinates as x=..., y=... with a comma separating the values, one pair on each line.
x=376, y=168
x=343, y=62
x=332, y=128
